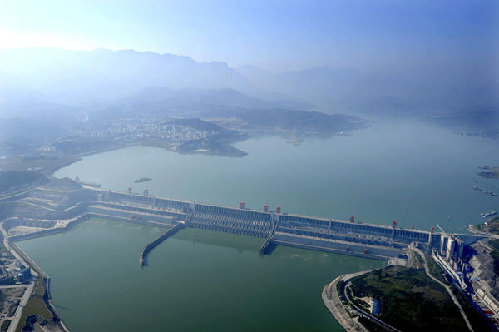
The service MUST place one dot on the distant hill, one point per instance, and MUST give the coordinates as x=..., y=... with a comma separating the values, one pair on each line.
x=475, y=119
x=68, y=83
x=82, y=76
x=188, y=102
x=418, y=91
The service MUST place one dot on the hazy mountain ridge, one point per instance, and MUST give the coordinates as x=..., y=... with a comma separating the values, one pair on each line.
x=77, y=76
x=44, y=81
x=433, y=89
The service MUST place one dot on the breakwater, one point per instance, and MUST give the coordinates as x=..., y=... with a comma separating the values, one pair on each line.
x=153, y=244
x=267, y=246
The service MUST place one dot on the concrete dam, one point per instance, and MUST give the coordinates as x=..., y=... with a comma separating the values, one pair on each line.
x=276, y=227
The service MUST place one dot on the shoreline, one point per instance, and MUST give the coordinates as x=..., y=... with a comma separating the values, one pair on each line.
x=19, y=254
x=45, y=278
x=335, y=305
x=47, y=296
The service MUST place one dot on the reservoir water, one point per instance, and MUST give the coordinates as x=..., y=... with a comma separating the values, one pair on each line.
x=196, y=281
x=201, y=280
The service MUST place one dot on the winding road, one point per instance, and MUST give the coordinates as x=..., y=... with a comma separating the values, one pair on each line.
x=447, y=288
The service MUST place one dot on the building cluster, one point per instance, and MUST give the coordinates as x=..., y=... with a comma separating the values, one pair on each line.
x=148, y=128
x=459, y=272
x=12, y=272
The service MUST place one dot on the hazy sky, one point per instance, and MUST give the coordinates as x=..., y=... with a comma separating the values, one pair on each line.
x=275, y=35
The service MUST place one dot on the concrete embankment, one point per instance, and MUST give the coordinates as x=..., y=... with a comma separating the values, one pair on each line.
x=107, y=213
x=133, y=216
x=47, y=297
x=338, y=247
x=333, y=302
x=153, y=244
x=28, y=260
x=268, y=246
x=68, y=225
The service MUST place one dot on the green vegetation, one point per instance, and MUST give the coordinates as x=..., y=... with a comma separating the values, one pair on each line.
x=489, y=172
x=5, y=326
x=371, y=326
x=410, y=300
x=492, y=225
x=495, y=255
x=435, y=270
x=35, y=306
x=12, y=179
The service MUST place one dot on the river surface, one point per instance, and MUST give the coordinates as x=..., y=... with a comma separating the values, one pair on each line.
x=200, y=280
x=196, y=281
x=409, y=172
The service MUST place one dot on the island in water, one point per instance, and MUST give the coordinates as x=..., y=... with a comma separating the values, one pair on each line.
x=489, y=172
x=142, y=180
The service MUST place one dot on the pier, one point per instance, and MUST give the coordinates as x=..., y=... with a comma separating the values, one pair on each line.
x=267, y=246
x=153, y=244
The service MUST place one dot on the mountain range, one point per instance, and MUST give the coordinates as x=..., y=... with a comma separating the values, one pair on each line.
x=43, y=79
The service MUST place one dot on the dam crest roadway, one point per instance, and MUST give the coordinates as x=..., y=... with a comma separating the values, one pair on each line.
x=275, y=227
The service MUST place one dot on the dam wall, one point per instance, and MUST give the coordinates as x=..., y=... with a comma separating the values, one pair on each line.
x=327, y=234
x=132, y=209
x=344, y=227
x=231, y=220
x=203, y=216
x=241, y=221
x=132, y=216
x=162, y=203
x=307, y=231
x=350, y=237
x=341, y=247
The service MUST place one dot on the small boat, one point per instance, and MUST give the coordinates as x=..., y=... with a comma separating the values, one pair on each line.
x=488, y=214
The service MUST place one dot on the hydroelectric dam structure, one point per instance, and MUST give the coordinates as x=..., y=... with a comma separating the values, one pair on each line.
x=277, y=228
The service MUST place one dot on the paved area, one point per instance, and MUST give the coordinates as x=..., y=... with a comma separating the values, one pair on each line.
x=29, y=290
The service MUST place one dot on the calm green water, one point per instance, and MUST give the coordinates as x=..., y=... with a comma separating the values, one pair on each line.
x=410, y=172
x=201, y=280
x=196, y=281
